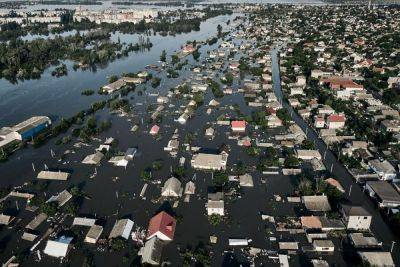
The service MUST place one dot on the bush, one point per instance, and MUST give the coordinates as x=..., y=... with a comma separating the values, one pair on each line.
x=215, y=219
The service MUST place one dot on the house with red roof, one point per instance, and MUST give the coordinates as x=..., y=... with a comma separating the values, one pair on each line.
x=336, y=121
x=341, y=83
x=162, y=226
x=154, y=130
x=238, y=126
x=188, y=49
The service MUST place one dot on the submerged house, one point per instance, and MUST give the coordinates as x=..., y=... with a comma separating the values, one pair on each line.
x=152, y=251
x=58, y=248
x=172, y=188
x=206, y=161
x=122, y=228
x=154, y=130
x=162, y=226
x=215, y=204
x=94, y=234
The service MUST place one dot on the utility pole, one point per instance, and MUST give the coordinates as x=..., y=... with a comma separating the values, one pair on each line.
x=391, y=249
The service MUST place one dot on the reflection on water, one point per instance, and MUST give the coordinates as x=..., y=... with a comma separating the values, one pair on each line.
x=62, y=96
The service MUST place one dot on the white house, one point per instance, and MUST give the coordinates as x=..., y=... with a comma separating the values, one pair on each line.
x=215, y=204
x=172, y=188
x=384, y=169
x=356, y=217
x=308, y=154
x=335, y=121
x=205, y=161
x=58, y=248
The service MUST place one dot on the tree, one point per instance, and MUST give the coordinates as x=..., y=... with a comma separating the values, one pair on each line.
x=220, y=178
x=3, y=155
x=145, y=175
x=174, y=59
x=307, y=144
x=283, y=114
x=219, y=29
x=118, y=244
x=50, y=208
x=178, y=171
x=196, y=54
x=291, y=161
x=113, y=78
x=163, y=56
x=155, y=82
x=157, y=165
x=91, y=123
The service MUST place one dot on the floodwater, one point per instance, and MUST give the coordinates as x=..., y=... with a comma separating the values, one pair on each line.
x=61, y=97
x=126, y=183
x=243, y=218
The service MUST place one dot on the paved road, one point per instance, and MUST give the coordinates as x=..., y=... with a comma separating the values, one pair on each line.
x=357, y=196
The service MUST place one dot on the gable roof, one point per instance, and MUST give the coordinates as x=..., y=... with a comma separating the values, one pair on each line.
x=316, y=203
x=164, y=223
x=311, y=222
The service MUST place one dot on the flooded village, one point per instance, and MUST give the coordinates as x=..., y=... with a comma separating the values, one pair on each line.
x=261, y=143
